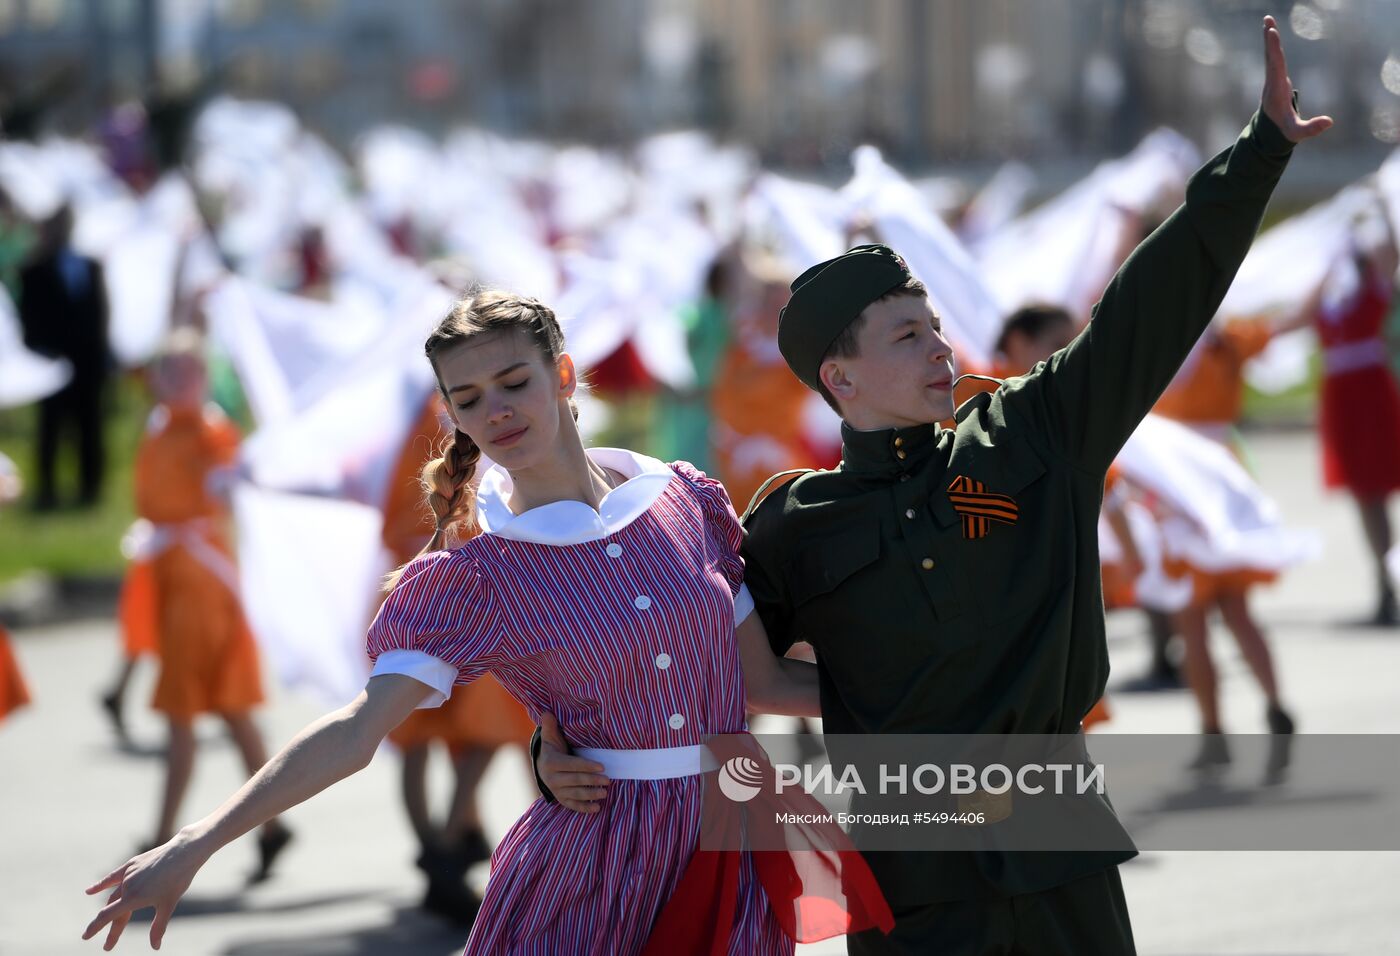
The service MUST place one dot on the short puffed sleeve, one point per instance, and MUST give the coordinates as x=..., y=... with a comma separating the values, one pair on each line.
x=439, y=625
x=724, y=529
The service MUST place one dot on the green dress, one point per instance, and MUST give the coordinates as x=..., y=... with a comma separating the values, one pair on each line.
x=683, y=418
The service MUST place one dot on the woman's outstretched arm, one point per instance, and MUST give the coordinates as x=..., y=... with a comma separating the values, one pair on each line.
x=327, y=750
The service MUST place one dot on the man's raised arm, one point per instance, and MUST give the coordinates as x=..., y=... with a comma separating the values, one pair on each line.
x=1091, y=395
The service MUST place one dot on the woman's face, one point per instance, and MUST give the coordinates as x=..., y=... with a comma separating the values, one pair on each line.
x=181, y=381
x=506, y=395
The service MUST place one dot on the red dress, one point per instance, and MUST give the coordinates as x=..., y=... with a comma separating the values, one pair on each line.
x=1360, y=407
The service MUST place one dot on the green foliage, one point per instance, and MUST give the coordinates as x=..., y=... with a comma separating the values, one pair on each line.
x=72, y=541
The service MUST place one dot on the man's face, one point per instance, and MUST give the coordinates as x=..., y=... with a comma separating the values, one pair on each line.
x=903, y=372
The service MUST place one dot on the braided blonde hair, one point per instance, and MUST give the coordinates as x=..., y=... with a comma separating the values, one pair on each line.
x=447, y=479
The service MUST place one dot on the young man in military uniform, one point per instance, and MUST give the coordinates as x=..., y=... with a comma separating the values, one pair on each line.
x=949, y=578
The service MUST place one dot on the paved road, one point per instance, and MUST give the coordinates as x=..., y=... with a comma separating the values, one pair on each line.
x=71, y=804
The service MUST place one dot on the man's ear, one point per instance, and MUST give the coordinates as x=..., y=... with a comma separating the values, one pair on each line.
x=834, y=376
x=568, y=376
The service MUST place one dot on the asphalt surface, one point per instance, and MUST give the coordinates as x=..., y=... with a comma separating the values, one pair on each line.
x=73, y=803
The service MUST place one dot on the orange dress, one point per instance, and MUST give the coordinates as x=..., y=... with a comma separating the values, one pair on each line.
x=1208, y=395
x=479, y=714
x=136, y=610
x=13, y=693
x=209, y=662
x=1119, y=588
x=758, y=407
x=1098, y=714
x=1208, y=392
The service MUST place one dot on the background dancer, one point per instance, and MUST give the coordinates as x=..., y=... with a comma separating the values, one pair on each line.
x=208, y=661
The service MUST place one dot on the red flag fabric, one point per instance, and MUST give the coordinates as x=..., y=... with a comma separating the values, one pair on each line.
x=818, y=886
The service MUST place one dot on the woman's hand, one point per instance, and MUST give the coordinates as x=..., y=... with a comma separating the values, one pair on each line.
x=156, y=878
x=329, y=749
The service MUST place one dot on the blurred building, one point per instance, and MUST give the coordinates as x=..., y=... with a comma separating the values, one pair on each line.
x=967, y=79
x=802, y=80
x=57, y=57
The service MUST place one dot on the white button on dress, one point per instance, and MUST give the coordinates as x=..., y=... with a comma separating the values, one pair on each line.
x=676, y=721
x=614, y=550
x=642, y=603
x=663, y=661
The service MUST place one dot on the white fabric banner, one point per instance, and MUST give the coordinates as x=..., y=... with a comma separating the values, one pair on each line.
x=1219, y=518
x=971, y=316
x=1064, y=251
x=310, y=570
x=24, y=376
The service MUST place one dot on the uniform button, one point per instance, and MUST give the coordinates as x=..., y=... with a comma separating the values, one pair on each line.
x=663, y=661
x=614, y=550
x=641, y=603
x=901, y=454
x=909, y=513
x=676, y=722
x=927, y=564
x=903, y=477
x=899, y=443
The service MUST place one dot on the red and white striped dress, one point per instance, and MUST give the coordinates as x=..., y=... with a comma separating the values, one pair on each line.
x=621, y=623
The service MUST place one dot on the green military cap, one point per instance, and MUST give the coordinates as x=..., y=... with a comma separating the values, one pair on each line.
x=828, y=297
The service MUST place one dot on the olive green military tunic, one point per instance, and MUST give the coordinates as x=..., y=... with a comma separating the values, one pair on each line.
x=949, y=579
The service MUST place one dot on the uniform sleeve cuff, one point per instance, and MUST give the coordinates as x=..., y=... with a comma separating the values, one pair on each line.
x=424, y=668
x=1269, y=138
x=743, y=604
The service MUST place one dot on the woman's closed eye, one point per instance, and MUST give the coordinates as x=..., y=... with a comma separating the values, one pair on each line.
x=510, y=387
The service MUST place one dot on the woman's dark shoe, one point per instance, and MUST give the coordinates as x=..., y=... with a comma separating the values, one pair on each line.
x=270, y=847
x=1279, y=720
x=448, y=895
x=112, y=706
x=1387, y=613
x=1214, y=752
x=473, y=848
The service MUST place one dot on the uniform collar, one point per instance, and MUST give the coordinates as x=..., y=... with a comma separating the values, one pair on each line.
x=888, y=451
x=573, y=522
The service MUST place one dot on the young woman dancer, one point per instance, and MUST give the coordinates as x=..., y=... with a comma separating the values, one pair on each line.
x=604, y=587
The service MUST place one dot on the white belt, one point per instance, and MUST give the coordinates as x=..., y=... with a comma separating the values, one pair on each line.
x=145, y=541
x=1354, y=355
x=664, y=763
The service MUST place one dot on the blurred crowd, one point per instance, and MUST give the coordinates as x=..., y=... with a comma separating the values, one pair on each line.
x=251, y=276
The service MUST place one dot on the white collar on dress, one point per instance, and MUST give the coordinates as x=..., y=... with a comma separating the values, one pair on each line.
x=573, y=522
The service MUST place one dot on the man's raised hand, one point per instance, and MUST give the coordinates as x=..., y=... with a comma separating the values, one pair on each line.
x=1277, y=99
